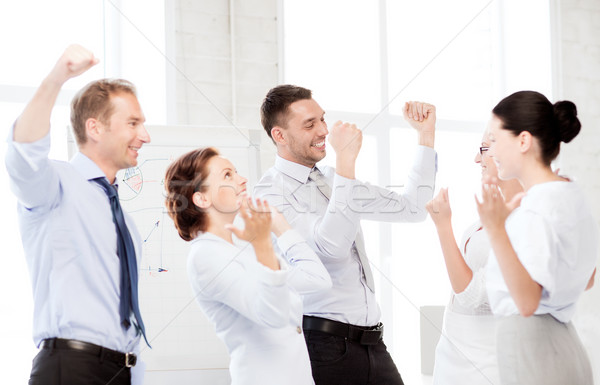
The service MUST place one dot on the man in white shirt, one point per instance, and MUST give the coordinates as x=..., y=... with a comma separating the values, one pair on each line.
x=341, y=325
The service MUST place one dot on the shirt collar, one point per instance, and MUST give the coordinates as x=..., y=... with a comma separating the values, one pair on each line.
x=86, y=167
x=293, y=169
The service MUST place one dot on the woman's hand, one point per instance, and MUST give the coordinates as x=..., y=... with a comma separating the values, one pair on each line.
x=492, y=209
x=257, y=231
x=439, y=209
x=257, y=219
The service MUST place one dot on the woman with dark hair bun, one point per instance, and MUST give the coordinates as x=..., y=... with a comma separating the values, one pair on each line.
x=249, y=293
x=543, y=251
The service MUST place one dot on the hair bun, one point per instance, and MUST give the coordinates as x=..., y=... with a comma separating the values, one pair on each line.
x=565, y=116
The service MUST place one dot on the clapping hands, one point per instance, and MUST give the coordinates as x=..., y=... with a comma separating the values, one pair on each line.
x=257, y=219
x=492, y=209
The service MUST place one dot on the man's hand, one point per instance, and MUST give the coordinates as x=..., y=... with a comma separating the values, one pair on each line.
x=34, y=122
x=73, y=62
x=421, y=116
x=346, y=140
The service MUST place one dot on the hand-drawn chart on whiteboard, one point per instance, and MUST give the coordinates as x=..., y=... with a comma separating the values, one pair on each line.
x=180, y=335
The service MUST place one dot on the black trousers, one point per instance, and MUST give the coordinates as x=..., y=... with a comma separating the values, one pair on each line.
x=339, y=361
x=65, y=367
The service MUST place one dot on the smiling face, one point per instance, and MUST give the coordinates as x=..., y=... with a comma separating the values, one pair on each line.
x=488, y=167
x=504, y=150
x=121, y=138
x=302, y=140
x=225, y=187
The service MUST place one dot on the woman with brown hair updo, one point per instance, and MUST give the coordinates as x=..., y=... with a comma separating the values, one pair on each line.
x=544, y=251
x=249, y=293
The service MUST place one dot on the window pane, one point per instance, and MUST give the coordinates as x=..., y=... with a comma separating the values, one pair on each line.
x=417, y=266
x=36, y=32
x=526, y=47
x=141, y=50
x=459, y=80
x=332, y=47
x=8, y=114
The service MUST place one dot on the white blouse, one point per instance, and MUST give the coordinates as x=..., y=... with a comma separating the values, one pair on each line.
x=257, y=311
x=475, y=247
x=556, y=239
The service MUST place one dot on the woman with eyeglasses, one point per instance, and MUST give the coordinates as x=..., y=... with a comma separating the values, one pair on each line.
x=466, y=351
x=544, y=251
x=249, y=293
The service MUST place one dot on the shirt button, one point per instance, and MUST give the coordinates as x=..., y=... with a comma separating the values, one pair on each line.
x=299, y=330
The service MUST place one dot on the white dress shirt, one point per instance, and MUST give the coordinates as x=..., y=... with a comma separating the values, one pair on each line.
x=330, y=226
x=556, y=239
x=257, y=311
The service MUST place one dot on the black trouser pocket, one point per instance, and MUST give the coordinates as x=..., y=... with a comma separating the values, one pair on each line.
x=325, y=348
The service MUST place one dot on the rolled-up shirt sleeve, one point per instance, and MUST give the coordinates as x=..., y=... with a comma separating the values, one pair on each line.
x=32, y=179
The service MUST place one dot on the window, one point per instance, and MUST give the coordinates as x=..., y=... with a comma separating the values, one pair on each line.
x=328, y=53
x=363, y=60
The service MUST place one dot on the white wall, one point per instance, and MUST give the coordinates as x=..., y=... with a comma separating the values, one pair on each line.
x=228, y=52
x=579, y=78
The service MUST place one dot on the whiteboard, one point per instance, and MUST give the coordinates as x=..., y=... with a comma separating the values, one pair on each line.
x=180, y=335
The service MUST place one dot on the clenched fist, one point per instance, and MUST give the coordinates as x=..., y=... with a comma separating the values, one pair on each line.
x=346, y=140
x=421, y=116
x=73, y=62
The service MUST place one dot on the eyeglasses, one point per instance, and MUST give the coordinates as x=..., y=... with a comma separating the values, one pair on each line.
x=483, y=149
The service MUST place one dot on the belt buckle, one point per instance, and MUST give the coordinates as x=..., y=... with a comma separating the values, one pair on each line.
x=130, y=360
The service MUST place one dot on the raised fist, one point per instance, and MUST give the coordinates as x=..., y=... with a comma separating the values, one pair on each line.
x=420, y=116
x=346, y=140
x=73, y=62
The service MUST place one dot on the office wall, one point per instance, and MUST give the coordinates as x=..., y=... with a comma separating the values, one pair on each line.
x=580, y=82
x=227, y=52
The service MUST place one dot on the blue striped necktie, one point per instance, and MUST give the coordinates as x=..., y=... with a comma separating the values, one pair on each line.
x=126, y=252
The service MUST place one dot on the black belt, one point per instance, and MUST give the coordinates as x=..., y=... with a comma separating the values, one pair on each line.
x=365, y=335
x=127, y=359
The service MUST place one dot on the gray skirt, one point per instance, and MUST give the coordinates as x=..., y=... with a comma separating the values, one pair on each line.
x=541, y=350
